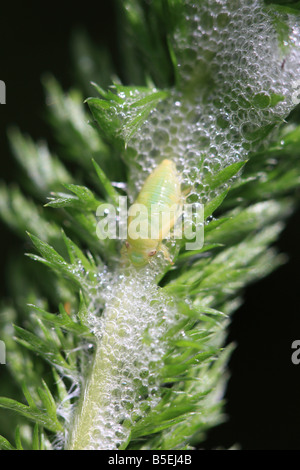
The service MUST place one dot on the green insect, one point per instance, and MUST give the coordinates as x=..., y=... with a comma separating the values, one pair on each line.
x=158, y=205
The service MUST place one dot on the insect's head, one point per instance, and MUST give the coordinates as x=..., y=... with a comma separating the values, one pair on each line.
x=138, y=258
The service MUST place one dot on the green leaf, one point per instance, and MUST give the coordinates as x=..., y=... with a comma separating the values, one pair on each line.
x=277, y=13
x=224, y=175
x=77, y=256
x=44, y=171
x=52, y=259
x=21, y=214
x=85, y=196
x=110, y=191
x=28, y=397
x=191, y=253
x=63, y=321
x=276, y=98
x=37, y=416
x=62, y=200
x=213, y=205
x=122, y=114
x=78, y=140
x=45, y=348
x=5, y=444
x=48, y=401
x=215, y=224
x=18, y=439
x=36, y=445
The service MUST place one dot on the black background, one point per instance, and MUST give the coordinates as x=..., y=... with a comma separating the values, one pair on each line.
x=262, y=396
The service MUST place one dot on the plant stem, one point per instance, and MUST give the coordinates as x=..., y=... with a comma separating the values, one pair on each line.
x=92, y=401
x=121, y=383
x=101, y=407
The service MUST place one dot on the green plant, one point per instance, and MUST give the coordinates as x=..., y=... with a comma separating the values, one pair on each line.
x=135, y=357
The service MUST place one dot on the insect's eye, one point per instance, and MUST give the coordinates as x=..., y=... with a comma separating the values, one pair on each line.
x=152, y=252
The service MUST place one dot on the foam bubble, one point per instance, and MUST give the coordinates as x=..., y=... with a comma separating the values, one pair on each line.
x=234, y=85
x=130, y=347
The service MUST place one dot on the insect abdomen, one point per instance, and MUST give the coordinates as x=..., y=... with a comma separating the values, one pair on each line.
x=159, y=195
x=162, y=186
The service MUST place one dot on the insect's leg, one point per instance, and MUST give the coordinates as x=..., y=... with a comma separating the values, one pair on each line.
x=186, y=191
x=166, y=253
x=124, y=254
